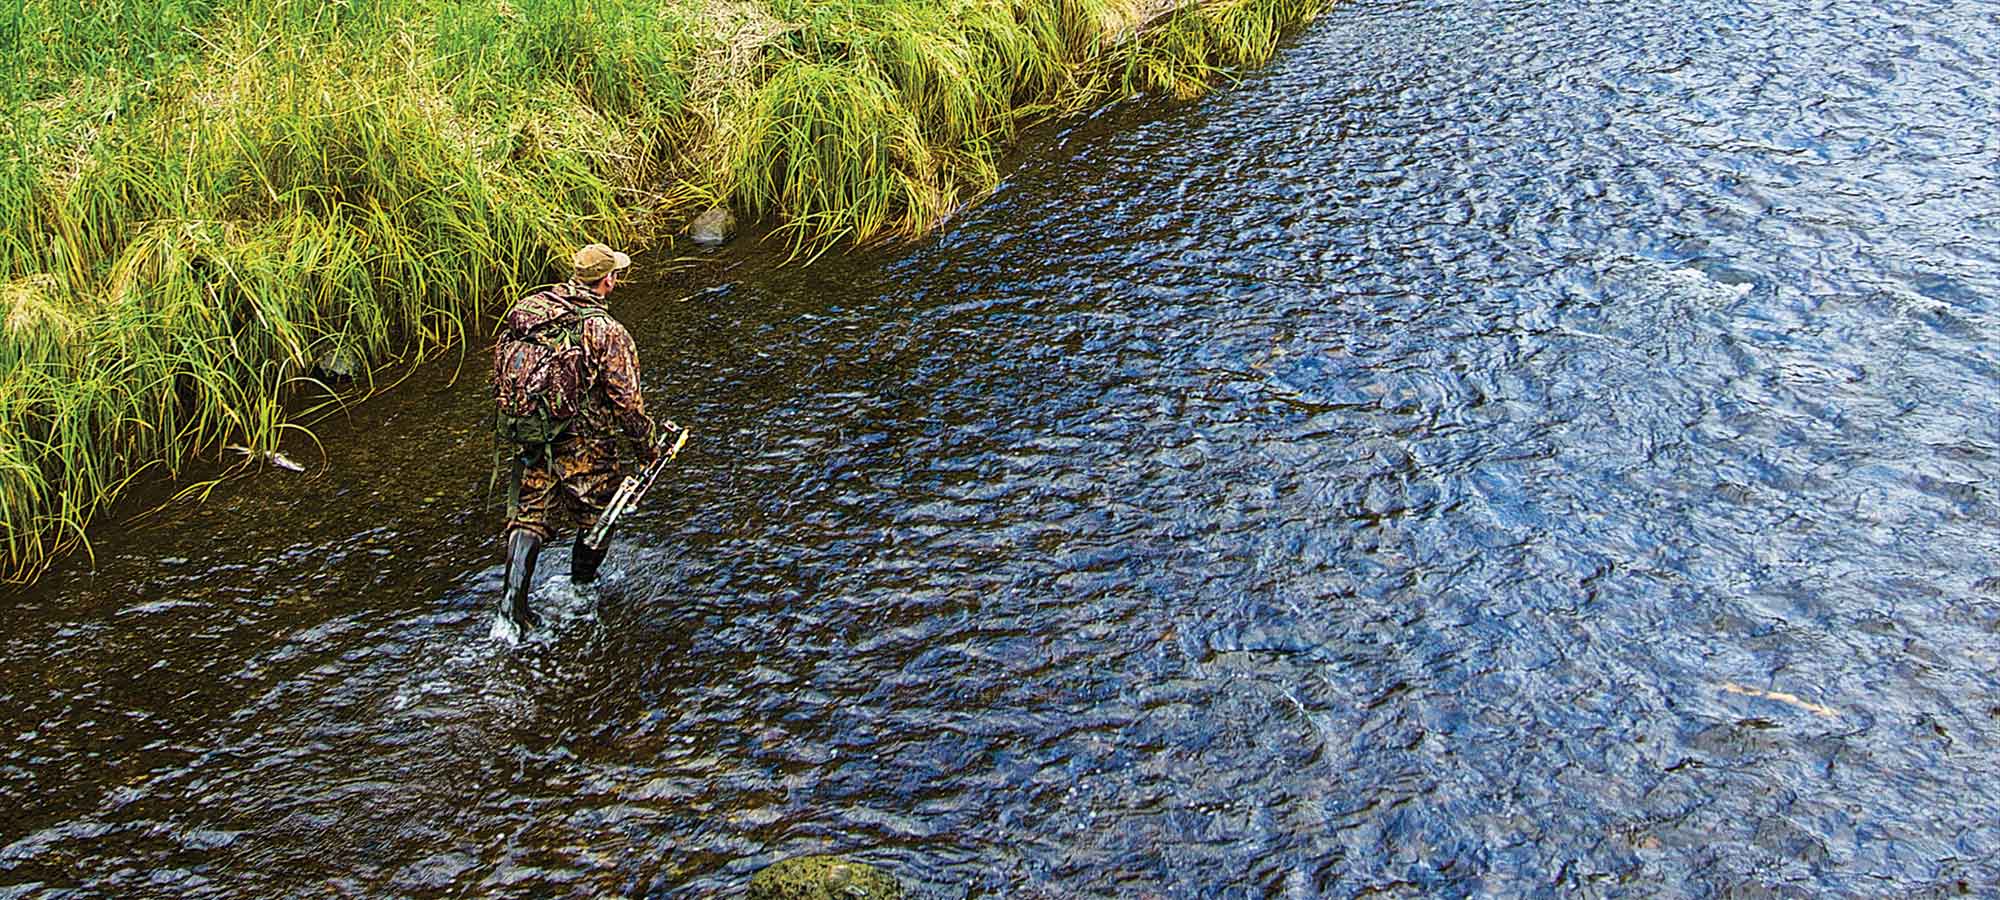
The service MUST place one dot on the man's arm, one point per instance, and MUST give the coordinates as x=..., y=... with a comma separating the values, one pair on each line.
x=618, y=375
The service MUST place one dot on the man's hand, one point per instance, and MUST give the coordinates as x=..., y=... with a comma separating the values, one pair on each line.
x=667, y=433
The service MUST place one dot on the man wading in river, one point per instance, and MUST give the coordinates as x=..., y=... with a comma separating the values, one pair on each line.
x=566, y=379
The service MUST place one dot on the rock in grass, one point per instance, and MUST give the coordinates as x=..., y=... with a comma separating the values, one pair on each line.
x=823, y=878
x=713, y=227
x=337, y=364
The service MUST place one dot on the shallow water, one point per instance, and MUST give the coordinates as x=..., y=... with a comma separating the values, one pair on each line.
x=1501, y=449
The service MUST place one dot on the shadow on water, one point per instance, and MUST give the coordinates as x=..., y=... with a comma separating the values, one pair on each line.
x=1503, y=449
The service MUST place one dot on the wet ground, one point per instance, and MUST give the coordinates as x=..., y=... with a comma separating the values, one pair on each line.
x=1502, y=449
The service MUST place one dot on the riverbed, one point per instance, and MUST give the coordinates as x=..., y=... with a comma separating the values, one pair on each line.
x=1501, y=449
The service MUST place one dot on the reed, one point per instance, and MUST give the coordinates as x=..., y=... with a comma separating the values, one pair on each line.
x=203, y=198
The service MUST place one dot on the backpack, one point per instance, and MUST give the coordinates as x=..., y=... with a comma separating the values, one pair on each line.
x=541, y=379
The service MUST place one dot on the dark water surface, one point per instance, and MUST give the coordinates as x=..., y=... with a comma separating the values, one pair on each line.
x=1504, y=449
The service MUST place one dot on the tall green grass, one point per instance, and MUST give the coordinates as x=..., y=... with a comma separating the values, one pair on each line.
x=201, y=198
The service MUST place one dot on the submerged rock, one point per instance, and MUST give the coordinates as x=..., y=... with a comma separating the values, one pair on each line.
x=823, y=878
x=713, y=227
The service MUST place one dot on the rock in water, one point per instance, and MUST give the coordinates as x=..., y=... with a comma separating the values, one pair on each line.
x=823, y=878
x=713, y=227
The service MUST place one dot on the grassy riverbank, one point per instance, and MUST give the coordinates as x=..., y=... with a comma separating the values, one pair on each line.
x=202, y=199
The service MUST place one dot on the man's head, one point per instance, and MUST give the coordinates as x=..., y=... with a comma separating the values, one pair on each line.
x=599, y=267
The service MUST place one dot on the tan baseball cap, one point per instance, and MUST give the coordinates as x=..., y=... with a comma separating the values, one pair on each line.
x=595, y=261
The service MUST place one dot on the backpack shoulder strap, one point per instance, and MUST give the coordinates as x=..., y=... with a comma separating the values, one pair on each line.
x=570, y=321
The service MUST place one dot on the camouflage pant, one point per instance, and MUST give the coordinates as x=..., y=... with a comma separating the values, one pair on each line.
x=584, y=477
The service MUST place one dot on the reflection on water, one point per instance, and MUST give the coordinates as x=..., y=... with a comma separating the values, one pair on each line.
x=1504, y=449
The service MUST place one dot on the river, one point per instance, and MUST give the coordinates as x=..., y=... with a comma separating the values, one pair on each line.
x=1500, y=449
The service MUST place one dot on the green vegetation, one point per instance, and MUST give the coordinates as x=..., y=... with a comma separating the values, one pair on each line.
x=823, y=878
x=201, y=198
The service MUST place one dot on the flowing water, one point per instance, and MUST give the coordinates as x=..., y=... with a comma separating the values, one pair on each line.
x=1501, y=449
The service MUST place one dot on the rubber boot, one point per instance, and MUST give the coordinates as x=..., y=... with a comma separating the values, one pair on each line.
x=522, y=548
x=583, y=562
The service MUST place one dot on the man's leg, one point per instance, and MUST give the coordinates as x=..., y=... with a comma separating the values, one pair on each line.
x=523, y=546
x=527, y=530
x=592, y=484
x=583, y=562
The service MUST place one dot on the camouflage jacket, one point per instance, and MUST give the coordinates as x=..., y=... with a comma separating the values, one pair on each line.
x=610, y=378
